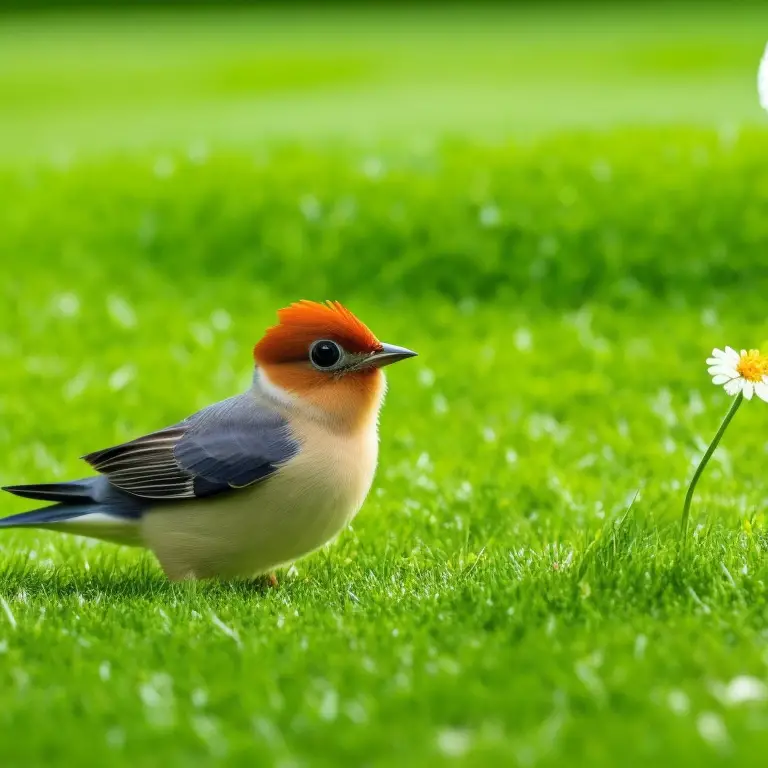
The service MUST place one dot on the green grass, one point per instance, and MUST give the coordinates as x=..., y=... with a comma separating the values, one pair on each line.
x=83, y=85
x=511, y=593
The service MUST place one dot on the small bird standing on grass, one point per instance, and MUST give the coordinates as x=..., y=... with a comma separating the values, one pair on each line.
x=253, y=482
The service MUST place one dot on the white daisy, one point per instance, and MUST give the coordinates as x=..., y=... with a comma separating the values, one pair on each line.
x=762, y=81
x=745, y=372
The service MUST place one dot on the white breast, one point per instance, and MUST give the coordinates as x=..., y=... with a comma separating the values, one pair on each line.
x=295, y=511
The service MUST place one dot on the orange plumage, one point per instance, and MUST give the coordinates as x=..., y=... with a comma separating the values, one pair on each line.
x=306, y=321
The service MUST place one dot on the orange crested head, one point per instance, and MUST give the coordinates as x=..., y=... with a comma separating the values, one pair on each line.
x=323, y=354
x=304, y=324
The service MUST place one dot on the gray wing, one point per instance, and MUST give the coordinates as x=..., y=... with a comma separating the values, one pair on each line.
x=231, y=444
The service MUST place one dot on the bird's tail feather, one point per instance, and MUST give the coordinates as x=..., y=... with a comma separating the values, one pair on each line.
x=58, y=513
x=74, y=492
x=97, y=521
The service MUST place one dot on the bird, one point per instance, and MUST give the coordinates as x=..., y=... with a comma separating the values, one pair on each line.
x=252, y=483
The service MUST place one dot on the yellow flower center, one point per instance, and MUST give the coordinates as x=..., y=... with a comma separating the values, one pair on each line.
x=752, y=366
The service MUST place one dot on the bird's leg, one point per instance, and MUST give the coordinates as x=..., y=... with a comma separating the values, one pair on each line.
x=265, y=581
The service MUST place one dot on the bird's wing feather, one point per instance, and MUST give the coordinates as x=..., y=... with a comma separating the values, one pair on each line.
x=231, y=444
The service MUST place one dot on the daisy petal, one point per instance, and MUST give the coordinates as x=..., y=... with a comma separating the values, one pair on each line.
x=721, y=378
x=748, y=388
x=728, y=370
x=761, y=390
x=718, y=354
x=731, y=354
x=732, y=387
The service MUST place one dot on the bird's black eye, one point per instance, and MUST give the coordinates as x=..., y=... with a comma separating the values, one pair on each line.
x=325, y=354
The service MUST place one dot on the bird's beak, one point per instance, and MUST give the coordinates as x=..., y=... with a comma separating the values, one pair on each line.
x=388, y=354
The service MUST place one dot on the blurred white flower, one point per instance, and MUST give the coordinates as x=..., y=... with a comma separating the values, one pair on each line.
x=745, y=372
x=762, y=81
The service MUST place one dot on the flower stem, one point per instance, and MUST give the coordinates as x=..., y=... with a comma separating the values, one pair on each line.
x=703, y=463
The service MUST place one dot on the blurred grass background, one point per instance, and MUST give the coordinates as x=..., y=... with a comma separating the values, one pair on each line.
x=562, y=208
x=84, y=82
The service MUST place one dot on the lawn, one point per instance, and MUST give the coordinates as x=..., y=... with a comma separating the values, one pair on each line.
x=563, y=259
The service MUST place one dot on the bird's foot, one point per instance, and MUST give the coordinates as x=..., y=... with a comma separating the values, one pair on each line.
x=264, y=582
